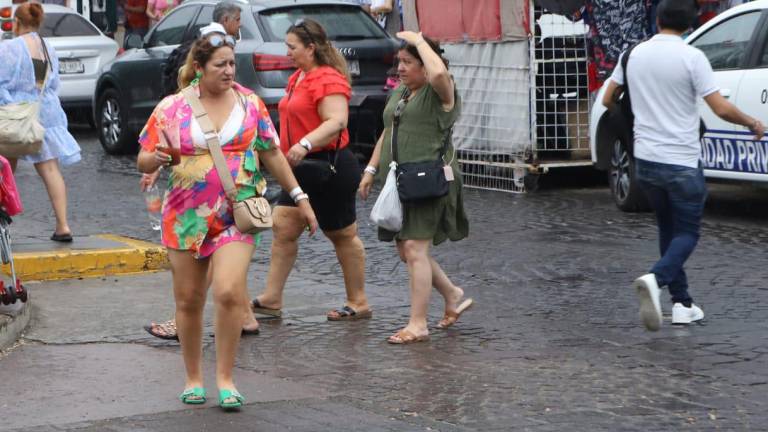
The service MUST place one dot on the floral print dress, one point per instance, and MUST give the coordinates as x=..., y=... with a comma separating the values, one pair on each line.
x=196, y=215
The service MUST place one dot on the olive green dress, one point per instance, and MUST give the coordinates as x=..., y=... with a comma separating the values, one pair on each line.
x=423, y=125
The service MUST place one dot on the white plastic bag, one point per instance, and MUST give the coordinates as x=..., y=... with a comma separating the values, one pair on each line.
x=387, y=212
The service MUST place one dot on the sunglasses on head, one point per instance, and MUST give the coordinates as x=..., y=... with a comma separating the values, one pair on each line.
x=218, y=41
x=301, y=24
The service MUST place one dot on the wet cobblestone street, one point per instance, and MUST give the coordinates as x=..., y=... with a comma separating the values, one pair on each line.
x=553, y=342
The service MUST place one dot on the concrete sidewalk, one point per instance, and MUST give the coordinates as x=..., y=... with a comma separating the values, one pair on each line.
x=40, y=259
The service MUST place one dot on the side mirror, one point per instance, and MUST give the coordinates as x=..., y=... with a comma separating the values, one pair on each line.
x=133, y=41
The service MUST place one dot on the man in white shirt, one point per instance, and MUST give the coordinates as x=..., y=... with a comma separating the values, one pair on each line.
x=665, y=78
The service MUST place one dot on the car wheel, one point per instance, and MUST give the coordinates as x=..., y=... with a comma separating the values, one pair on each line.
x=623, y=181
x=110, y=120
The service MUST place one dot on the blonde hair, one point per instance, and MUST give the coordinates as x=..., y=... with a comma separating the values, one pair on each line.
x=310, y=31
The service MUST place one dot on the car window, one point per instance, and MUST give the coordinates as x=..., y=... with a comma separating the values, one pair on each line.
x=66, y=24
x=725, y=45
x=170, y=31
x=205, y=18
x=763, y=60
x=340, y=22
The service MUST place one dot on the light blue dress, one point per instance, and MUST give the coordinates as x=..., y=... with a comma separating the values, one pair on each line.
x=17, y=84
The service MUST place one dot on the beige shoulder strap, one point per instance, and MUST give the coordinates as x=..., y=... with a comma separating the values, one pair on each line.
x=212, y=139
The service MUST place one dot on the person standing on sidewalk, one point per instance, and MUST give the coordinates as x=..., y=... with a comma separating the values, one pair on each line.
x=27, y=62
x=136, y=19
x=666, y=77
x=314, y=138
x=428, y=104
x=198, y=227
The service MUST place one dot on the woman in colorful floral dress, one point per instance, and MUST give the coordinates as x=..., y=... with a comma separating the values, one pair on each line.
x=197, y=221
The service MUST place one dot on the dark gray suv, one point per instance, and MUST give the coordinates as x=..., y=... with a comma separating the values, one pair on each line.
x=130, y=86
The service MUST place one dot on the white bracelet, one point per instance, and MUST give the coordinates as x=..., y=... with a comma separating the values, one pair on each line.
x=295, y=192
x=304, y=142
x=301, y=196
x=371, y=170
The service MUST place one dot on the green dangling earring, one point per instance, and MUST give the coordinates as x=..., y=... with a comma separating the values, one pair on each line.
x=196, y=81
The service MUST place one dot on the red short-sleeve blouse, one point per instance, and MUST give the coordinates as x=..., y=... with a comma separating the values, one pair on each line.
x=299, y=108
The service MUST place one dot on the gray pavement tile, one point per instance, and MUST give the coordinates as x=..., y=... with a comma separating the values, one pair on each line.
x=65, y=384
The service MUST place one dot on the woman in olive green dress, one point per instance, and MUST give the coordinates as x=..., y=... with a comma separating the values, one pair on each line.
x=427, y=115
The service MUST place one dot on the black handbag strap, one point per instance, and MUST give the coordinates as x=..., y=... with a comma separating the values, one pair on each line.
x=396, y=124
x=48, y=69
x=624, y=63
x=335, y=160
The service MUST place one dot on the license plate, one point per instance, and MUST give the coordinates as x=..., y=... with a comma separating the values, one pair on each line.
x=71, y=67
x=354, y=67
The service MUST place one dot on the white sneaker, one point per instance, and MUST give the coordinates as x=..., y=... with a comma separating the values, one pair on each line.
x=685, y=315
x=650, y=307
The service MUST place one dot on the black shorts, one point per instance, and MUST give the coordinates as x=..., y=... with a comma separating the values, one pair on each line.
x=334, y=205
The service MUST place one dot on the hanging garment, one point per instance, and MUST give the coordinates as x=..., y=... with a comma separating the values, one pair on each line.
x=561, y=7
x=614, y=26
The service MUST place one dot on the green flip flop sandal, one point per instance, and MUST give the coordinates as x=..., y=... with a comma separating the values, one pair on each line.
x=193, y=396
x=230, y=394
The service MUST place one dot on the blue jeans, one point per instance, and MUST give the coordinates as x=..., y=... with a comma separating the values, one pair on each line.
x=677, y=195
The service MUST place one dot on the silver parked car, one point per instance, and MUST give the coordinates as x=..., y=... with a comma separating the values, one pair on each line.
x=82, y=49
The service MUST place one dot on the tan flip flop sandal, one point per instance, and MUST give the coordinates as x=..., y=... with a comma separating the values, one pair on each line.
x=450, y=318
x=404, y=337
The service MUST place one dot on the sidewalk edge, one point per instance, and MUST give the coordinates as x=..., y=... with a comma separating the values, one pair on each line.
x=11, y=331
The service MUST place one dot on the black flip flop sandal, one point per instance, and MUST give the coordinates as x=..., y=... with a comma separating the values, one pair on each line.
x=245, y=332
x=256, y=307
x=348, y=314
x=64, y=238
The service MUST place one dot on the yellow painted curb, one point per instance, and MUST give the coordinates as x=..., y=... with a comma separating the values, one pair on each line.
x=136, y=257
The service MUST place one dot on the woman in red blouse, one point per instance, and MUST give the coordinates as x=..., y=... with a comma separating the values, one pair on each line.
x=314, y=138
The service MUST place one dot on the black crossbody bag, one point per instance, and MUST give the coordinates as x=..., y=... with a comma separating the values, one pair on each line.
x=419, y=181
x=313, y=174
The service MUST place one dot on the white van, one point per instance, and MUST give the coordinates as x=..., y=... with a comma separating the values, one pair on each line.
x=736, y=44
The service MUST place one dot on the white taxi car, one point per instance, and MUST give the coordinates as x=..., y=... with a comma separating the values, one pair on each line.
x=736, y=44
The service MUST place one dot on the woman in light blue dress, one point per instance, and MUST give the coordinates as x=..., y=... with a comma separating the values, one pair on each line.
x=21, y=77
